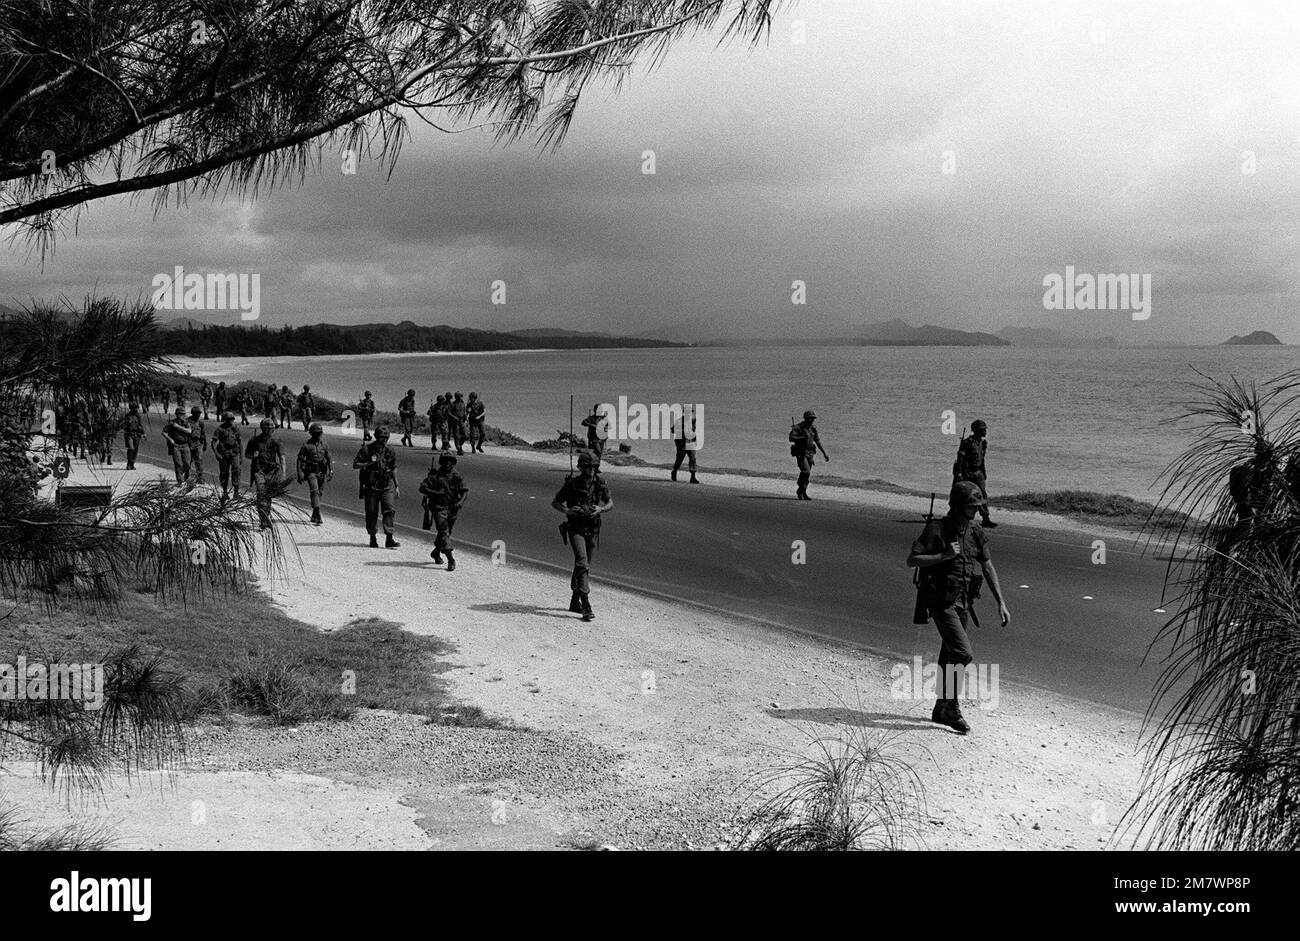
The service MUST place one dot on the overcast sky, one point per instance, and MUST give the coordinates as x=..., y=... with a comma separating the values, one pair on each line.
x=1110, y=137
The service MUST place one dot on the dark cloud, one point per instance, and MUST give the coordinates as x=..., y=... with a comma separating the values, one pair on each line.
x=821, y=162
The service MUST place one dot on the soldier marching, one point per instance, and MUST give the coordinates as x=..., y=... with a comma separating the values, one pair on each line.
x=444, y=494
x=377, y=464
x=315, y=467
x=583, y=499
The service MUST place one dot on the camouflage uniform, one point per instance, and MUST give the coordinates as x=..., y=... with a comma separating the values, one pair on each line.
x=444, y=494
x=377, y=463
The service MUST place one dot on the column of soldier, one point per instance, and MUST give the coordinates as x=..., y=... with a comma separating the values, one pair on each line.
x=443, y=490
x=944, y=555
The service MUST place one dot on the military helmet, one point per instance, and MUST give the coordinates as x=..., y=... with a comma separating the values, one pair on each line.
x=964, y=494
x=196, y=411
x=410, y=392
x=473, y=395
x=315, y=427
x=367, y=392
x=446, y=459
x=587, y=459
x=267, y=425
x=979, y=425
x=133, y=406
x=227, y=416
x=809, y=415
x=381, y=433
x=306, y=388
x=180, y=412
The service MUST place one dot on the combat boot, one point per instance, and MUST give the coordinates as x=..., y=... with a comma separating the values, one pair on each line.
x=575, y=603
x=451, y=562
x=949, y=714
x=315, y=516
x=987, y=523
x=436, y=556
x=390, y=542
x=674, y=476
x=374, y=541
x=694, y=479
x=587, y=613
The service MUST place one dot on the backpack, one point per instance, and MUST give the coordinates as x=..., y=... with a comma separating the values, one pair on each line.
x=225, y=441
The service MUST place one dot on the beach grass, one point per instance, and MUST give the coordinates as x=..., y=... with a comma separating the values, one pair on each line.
x=1111, y=509
x=240, y=654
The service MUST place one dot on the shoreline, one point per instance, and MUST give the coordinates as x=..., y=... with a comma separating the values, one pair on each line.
x=874, y=493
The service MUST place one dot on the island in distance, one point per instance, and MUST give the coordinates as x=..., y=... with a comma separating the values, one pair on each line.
x=1258, y=338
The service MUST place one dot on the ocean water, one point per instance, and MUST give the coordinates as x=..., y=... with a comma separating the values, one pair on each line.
x=1058, y=419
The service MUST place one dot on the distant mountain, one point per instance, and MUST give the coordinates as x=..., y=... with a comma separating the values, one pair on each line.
x=899, y=332
x=1258, y=338
x=326, y=339
x=894, y=332
x=542, y=332
x=190, y=323
x=1047, y=337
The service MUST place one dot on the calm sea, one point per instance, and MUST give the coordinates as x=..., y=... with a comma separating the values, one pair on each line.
x=1058, y=419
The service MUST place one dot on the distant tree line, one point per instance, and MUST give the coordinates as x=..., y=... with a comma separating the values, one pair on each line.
x=405, y=337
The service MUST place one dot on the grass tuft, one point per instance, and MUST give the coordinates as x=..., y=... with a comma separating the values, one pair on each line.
x=848, y=794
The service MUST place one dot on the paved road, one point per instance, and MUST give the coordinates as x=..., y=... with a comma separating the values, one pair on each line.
x=1078, y=628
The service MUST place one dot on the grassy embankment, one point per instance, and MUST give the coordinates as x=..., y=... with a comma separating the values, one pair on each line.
x=239, y=654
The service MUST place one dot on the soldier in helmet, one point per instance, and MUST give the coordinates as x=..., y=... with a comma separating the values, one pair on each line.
x=582, y=500
x=177, y=435
x=804, y=444
x=947, y=552
x=198, y=442
x=406, y=414
x=596, y=423
x=219, y=399
x=444, y=494
x=285, y=400
x=458, y=414
x=205, y=397
x=366, y=412
x=239, y=402
x=441, y=419
x=434, y=408
x=306, y=406
x=477, y=415
x=228, y=450
x=132, y=433
x=377, y=463
x=266, y=468
x=970, y=465
x=315, y=466
x=686, y=442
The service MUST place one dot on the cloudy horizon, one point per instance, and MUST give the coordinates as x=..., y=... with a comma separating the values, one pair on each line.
x=932, y=163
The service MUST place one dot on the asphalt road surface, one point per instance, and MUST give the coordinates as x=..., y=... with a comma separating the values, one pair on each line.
x=1077, y=628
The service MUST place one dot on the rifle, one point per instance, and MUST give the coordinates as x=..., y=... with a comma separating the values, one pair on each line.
x=919, y=613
